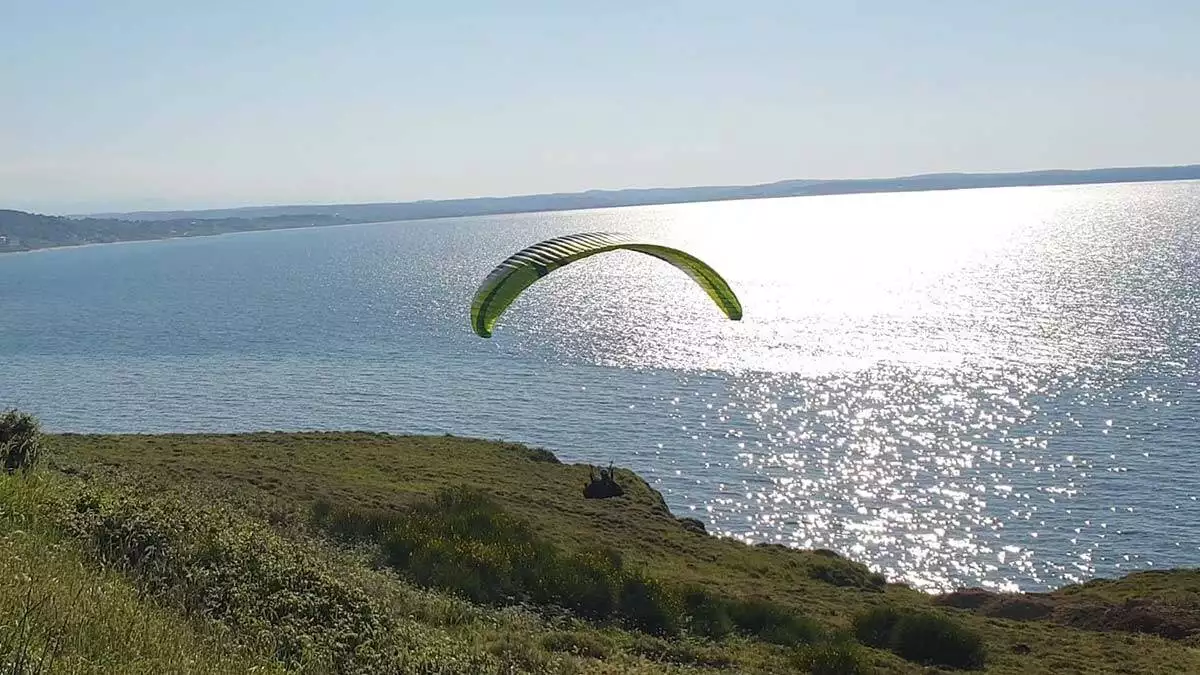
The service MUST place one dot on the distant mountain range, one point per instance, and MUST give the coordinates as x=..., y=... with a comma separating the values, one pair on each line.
x=25, y=231
x=645, y=196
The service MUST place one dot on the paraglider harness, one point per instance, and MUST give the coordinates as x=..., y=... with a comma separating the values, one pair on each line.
x=603, y=486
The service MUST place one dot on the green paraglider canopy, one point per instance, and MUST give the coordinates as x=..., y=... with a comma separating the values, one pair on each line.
x=511, y=277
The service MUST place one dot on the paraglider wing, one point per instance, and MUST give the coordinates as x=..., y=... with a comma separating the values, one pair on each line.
x=511, y=277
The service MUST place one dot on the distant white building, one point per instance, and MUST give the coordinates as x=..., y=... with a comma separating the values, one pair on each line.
x=3, y=240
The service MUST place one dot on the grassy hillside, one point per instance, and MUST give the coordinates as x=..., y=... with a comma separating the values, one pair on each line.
x=354, y=553
x=63, y=614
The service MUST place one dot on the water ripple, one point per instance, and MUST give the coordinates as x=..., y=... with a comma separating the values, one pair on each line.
x=993, y=387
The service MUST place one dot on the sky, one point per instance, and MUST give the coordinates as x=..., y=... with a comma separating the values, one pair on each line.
x=126, y=104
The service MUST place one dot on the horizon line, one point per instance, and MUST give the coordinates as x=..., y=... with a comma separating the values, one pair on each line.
x=808, y=182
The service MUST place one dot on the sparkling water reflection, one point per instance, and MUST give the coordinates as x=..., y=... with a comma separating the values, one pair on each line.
x=990, y=387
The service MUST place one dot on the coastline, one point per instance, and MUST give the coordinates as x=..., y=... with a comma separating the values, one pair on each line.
x=818, y=189
x=505, y=447
x=305, y=488
x=57, y=247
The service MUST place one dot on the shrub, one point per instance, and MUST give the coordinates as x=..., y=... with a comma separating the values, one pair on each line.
x=708, y=615
x=773, y=623
x=463, y=542
x=541, y=455
x=681, y=652
x=20, y=441
x=649, y=607
x=519, y=654
x=586, y=583
x=211, y=563
x=874, y=627
x=934, y=639
x=580, y=644
x=841, y=657
x=350, y=525
x=923, y=637
x=845, y=573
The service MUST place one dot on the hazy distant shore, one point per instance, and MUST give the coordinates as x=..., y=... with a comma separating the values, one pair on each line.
x=479, y=206
x=21, y=231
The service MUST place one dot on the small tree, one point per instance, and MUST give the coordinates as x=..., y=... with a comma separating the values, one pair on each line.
x=20, y=441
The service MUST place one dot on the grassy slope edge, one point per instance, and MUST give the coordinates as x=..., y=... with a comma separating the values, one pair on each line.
x=278, y=477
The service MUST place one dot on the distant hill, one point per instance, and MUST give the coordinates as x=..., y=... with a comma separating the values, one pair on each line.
x=646, y=196
x=21, y=231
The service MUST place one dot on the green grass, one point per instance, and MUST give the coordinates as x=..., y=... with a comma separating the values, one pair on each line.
x=58, y=613
x=246, y=506
x=924, y=637
x=839, y=657
x=377, y=472
x=108, y=580
x=463, y=542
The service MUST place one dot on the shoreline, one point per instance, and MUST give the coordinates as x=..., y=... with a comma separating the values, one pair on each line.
x=59, y=247
x=571, y=209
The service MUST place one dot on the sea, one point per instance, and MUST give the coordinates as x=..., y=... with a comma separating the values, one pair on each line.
x=992, y=387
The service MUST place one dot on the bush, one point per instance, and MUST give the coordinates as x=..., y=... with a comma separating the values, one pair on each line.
x=936, y=640
x=20, y=441
x=347, y=525
x=519, y=654
x=833, y=658
x=922, y=637
x=874, y=627
x=580, y=644
x=773, y=623
x=708, y=615
x=210, y=563
x=845, y=573
x=649, y=607
x=463, y=542
x=716, y=617
x=680, y=652
x=585, y=583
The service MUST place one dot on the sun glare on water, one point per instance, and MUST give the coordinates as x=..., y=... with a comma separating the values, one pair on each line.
x=991, y=387
x=909, y=371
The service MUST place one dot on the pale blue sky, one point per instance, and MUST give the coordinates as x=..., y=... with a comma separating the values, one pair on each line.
x=123, y=104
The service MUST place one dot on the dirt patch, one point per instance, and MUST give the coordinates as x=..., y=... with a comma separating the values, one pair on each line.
x=1016, y=606
x=1173, y=621
x=1154, y=617
x=967, y=598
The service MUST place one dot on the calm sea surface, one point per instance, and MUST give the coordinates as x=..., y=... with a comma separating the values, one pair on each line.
x=992, y=387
